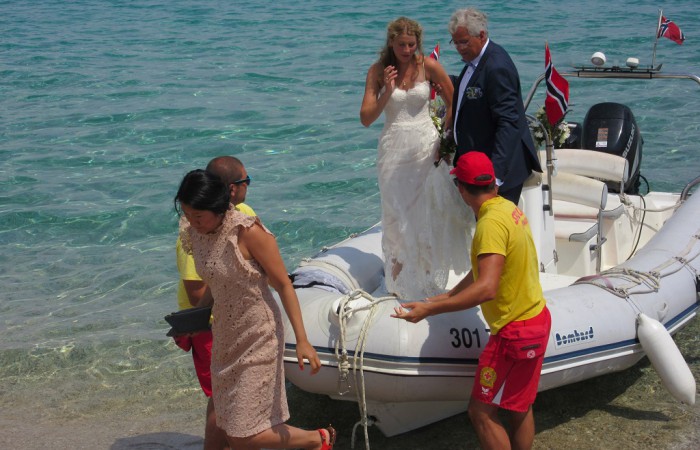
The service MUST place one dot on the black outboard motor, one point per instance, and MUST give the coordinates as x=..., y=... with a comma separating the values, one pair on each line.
x=575, y=135
x=611, y=128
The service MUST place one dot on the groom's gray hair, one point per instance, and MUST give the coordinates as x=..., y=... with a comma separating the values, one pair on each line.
x=473, y=20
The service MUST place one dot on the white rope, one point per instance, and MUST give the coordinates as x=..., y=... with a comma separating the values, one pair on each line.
x=638, y=212
x=651, y=278
x=626, y=201
x=341, y=353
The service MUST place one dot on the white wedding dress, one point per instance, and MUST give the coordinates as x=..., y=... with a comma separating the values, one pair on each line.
x=426, y=226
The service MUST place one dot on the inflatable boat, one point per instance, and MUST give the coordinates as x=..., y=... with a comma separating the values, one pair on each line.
x=620, y=273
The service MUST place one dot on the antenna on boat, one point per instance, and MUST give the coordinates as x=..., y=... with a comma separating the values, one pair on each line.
x=656, y=39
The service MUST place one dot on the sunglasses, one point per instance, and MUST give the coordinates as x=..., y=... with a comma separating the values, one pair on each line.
x=245, y=181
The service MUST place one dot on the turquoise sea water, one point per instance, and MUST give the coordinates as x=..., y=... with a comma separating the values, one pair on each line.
x=107, y=104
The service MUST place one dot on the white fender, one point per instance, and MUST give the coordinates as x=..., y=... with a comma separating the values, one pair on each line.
x=666, y=359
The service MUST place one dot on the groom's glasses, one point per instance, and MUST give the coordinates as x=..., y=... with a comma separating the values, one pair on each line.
x=462, y=43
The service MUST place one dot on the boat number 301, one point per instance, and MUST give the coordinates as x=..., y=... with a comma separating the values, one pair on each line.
x=465, y=337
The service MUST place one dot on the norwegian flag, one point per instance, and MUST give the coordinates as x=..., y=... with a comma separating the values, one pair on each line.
x=436, y=52
x=670, y=30
x=557, y=101
x=436, y=56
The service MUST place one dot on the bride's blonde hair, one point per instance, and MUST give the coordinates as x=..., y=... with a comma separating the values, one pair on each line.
x=402, y=25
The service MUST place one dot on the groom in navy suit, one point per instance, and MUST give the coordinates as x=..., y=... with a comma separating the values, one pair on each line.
x=488, y=107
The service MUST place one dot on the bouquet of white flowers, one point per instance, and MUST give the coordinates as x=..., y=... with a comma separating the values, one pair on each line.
x=447, y=142
x=558, y=133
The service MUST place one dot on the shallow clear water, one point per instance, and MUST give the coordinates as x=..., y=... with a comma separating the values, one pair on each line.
x=107, y=104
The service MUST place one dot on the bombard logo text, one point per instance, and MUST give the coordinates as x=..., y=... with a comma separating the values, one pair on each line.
x=573, y=337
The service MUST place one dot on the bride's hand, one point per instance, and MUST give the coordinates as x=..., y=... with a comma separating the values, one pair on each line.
x=390, y=74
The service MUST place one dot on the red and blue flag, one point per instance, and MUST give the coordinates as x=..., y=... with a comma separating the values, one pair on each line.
x=670, y=30
x=436, y=52
x=436, y=56
x=557, y=101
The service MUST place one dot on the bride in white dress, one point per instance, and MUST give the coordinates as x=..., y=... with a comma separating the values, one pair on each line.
x=426, y=226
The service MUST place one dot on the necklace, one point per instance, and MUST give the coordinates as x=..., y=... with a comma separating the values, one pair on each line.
x=406, y=75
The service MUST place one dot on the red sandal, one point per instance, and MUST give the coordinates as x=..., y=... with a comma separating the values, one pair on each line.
x=331, y=438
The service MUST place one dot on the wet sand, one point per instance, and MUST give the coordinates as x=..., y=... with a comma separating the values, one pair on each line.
x=625, y=410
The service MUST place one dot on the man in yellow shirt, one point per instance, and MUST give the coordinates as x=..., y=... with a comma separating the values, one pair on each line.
x=192, y=291
x=504, y=280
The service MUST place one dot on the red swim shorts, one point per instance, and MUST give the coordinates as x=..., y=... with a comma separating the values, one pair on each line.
x=509, y=367
x=200, y=344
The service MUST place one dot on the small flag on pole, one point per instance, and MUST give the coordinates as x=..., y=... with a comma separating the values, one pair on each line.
x=436, y=52
x=436, y=56
x=670, y=30
x=557, y=101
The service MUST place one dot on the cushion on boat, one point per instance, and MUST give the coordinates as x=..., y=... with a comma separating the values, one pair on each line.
x=580, y=190
x=582, y=199
x=590, y=163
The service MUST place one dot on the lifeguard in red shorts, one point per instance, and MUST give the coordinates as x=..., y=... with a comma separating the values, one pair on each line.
x=504, y=280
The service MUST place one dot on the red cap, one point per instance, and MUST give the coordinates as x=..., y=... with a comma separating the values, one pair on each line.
x=474, y=168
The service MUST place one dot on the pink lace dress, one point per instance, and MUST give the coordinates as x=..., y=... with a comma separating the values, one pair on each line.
x=246, y=368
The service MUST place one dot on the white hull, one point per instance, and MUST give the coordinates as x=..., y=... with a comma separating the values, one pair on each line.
x=410, y=369
x=407, y=375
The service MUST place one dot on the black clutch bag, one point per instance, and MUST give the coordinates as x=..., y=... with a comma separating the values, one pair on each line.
x=189, y=320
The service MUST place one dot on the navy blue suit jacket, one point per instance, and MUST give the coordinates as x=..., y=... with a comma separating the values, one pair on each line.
x=492, y=118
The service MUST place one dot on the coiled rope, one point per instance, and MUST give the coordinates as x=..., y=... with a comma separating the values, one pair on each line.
x=345, y=310
x=650, y=278
x=625, y=200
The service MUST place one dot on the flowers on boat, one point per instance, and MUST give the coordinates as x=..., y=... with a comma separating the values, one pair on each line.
x=447, y=142
x=558, y=133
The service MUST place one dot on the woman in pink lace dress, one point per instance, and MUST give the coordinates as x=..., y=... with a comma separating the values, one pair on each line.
x=237, y=257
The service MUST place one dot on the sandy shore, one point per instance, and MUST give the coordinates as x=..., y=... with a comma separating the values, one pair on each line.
x=622, y=411
x=143, y=433
x=626, y=410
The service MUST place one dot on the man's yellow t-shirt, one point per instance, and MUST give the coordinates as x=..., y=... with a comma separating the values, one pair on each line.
x=185, y=264
x=502, y=228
